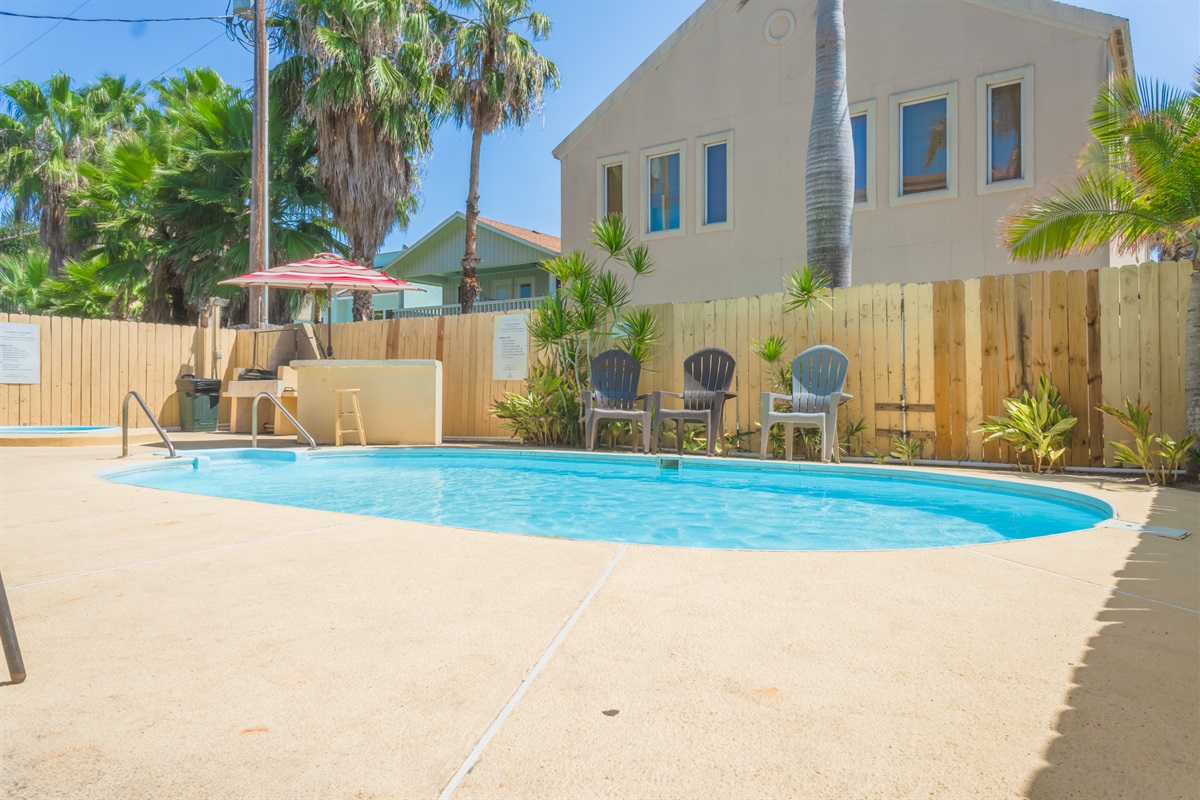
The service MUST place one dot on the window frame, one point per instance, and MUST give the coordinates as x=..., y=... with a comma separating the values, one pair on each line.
x=602, y=165
x=867, y=108
x=644, y=156
x=895, y=103
x=983, y=145
x=702, y=144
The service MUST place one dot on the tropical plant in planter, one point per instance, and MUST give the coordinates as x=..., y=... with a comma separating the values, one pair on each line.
x=1038, y=424
x=589, y=314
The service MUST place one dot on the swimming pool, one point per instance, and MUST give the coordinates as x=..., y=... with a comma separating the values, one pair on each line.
x=53, y=429
x=664, y=501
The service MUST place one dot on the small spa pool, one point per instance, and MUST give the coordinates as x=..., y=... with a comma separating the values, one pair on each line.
x=45, y=430
x=690, y=502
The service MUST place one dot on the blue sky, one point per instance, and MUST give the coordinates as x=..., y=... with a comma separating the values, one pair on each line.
x=596, y=44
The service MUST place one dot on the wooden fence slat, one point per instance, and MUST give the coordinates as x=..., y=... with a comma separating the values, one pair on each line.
x=972, y=368
x=1110, y=353
x=1150, y=388
x=943, y=443
x=1094, y=375
x=989, y=359
x=1170, y=414
x=1077, y=353
x=958, y=366
x=1059, y=334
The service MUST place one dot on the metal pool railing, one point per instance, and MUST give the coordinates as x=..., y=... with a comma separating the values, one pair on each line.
x=153, y=421
x=312, y=445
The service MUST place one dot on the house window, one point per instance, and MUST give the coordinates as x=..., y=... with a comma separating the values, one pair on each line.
x=664, y=187
x=925, y=145
x=525, y=290
x=664, y=192
x=613, y=181
x=1005, y=130
x=610, y=185
x=714, y=168
x=858, y=132
x=862, y=133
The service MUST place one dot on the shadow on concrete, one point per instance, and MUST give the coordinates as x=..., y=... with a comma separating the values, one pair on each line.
x=1132, y=726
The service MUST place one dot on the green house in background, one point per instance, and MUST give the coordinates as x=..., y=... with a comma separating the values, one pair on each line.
x=509, y=275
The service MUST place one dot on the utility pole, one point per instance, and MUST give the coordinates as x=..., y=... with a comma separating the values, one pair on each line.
x=260, y=218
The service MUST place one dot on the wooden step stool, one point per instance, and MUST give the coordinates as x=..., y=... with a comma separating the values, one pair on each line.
x=338, y=430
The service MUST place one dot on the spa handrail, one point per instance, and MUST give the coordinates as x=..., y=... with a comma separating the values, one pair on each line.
x=153, y=421
x=312, y=445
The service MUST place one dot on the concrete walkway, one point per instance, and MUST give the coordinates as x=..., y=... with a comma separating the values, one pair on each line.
x=189, y=647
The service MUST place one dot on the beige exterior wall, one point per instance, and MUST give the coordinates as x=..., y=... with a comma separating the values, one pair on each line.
x=722, y=75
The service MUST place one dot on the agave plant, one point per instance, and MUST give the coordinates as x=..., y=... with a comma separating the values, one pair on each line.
x=1038, y=424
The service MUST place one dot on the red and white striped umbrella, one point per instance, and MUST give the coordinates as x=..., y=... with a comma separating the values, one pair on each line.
x=324, y=271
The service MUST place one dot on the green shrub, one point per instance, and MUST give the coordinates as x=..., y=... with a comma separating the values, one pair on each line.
x=1038, y=424
x=1160, y=463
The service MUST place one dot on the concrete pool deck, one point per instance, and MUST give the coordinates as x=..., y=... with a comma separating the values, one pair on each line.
x=186, y=647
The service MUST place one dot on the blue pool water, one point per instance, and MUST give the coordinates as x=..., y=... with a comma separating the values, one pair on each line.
x=45, y=429
x=707, y=503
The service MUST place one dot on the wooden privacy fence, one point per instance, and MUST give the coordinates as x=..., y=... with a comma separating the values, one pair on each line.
x=87, y=366
x=932, y=359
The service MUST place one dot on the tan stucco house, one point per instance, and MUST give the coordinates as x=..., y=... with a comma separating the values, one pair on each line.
x=959, y=109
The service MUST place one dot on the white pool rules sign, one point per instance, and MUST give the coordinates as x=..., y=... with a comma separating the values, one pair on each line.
x=510, y=354
x=19, y=355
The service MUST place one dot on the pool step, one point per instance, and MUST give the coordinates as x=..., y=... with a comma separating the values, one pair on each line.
x=1169, y=533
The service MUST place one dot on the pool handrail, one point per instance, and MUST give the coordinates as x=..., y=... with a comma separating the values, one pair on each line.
x=312, y=444
x=153, y=421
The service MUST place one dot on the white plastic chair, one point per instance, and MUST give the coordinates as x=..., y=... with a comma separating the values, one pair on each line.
x=818, y=377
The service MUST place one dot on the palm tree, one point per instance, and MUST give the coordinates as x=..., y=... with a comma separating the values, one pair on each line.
x=364, y=72
x=1138, y=186
x=171, y=202
x=498, y=80
x=829, y=173
x=50, y=129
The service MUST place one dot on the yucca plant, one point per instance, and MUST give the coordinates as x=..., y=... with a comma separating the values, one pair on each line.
x=589, y=314
x=804, y=290
x=1038, y=424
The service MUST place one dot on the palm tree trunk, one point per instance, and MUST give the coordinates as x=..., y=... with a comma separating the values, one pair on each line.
x=829, y=174
x=468, y=288
x=364, y=309
x=1191, y=379
x=52, y=226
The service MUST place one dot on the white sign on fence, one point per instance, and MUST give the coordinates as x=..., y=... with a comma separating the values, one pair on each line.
x=19, y=354
x=510, y=356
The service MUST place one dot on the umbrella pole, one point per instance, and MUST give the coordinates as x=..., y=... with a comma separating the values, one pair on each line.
x=329, y=323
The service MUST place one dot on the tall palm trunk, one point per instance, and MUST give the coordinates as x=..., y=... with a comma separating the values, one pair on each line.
x=468, y=287
x=829, y=174
x=52, y=227
x=364, y=309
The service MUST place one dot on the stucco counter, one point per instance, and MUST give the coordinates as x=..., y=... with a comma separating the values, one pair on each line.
x=401, y=400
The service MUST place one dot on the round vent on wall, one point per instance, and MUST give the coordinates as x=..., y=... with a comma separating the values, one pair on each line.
x=780, y=26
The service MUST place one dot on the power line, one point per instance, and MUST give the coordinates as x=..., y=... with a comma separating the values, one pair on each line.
x=189, y=55
x=30, y=43
x=69, y=18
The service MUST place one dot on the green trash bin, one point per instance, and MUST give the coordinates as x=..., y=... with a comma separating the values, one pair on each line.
x=199, y=402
